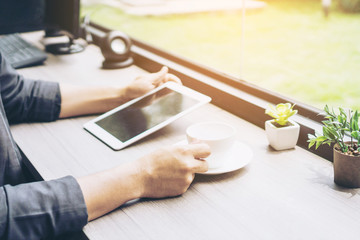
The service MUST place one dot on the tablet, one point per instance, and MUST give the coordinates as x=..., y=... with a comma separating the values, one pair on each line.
x=142, y=116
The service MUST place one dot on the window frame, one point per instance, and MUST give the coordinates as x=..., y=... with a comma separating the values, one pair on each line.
x=227, y=92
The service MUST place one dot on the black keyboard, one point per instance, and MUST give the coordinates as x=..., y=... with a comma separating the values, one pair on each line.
x=19, y=52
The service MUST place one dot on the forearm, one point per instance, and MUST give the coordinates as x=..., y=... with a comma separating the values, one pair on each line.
x=106, y=191
x=83, y=100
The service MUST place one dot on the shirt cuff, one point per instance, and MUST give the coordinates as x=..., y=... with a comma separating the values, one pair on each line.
x=44, y=209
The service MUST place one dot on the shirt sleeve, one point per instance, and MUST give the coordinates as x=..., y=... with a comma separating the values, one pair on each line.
x=28, y=100
x=41, y=210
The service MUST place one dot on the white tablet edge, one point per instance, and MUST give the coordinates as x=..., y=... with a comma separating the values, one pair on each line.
x=116, y=144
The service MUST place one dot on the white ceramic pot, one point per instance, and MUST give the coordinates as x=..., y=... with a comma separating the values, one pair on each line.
x=284, y=137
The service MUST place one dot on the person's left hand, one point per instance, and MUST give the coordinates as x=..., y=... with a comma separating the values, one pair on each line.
x=145, y=83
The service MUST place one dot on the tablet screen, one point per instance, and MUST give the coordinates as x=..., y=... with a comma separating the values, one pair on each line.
x=141, y=116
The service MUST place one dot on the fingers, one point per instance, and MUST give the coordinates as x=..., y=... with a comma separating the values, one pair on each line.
x=200, y=166
x=160, y=76
x=172, y=78
x=199, y=150
x=163, y=76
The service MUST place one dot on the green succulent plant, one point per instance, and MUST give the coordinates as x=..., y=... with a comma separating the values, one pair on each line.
x=336, y=128
x=281, y=113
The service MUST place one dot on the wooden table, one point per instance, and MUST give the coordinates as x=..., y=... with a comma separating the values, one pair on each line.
x=279, y=195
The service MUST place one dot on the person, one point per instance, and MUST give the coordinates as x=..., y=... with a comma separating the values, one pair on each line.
x=45, y=209
x=326, y=7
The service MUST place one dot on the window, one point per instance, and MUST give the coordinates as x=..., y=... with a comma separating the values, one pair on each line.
x=286, y=48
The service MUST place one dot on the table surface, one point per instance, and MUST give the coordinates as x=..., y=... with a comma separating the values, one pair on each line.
x=279, y=195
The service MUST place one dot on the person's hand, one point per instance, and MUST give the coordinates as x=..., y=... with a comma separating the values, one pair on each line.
x=170, y=171
x=164, y=173
x=145, y=83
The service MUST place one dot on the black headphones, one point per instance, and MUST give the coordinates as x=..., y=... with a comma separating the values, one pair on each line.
x=115, y=47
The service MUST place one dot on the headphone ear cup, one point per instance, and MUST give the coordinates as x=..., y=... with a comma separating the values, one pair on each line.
x=114, y=58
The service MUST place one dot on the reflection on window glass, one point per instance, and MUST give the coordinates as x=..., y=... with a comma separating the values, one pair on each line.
x=298, y=48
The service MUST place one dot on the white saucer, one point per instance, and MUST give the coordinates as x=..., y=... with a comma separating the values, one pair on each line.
x=241, y=155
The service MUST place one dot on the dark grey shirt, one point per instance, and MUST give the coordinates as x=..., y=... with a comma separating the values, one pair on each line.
x=38, y=210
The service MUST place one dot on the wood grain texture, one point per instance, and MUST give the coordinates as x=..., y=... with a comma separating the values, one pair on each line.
x=279, y=195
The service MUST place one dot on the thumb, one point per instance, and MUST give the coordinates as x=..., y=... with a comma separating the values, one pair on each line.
x=159, y=76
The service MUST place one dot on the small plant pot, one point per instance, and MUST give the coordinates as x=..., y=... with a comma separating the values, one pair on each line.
x=346, y=170
x=281, y=138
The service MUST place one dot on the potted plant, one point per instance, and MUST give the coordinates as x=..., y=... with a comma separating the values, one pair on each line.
x=342, y=130
x=282, y=132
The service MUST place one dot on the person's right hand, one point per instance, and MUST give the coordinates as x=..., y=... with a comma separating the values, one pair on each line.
x=170, y=171
x=163, y=173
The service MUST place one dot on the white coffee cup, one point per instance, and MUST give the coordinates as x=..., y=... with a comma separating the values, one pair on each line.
x=219, y=136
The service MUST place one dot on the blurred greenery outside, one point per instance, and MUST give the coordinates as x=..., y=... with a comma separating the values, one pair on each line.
x=289, y=46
